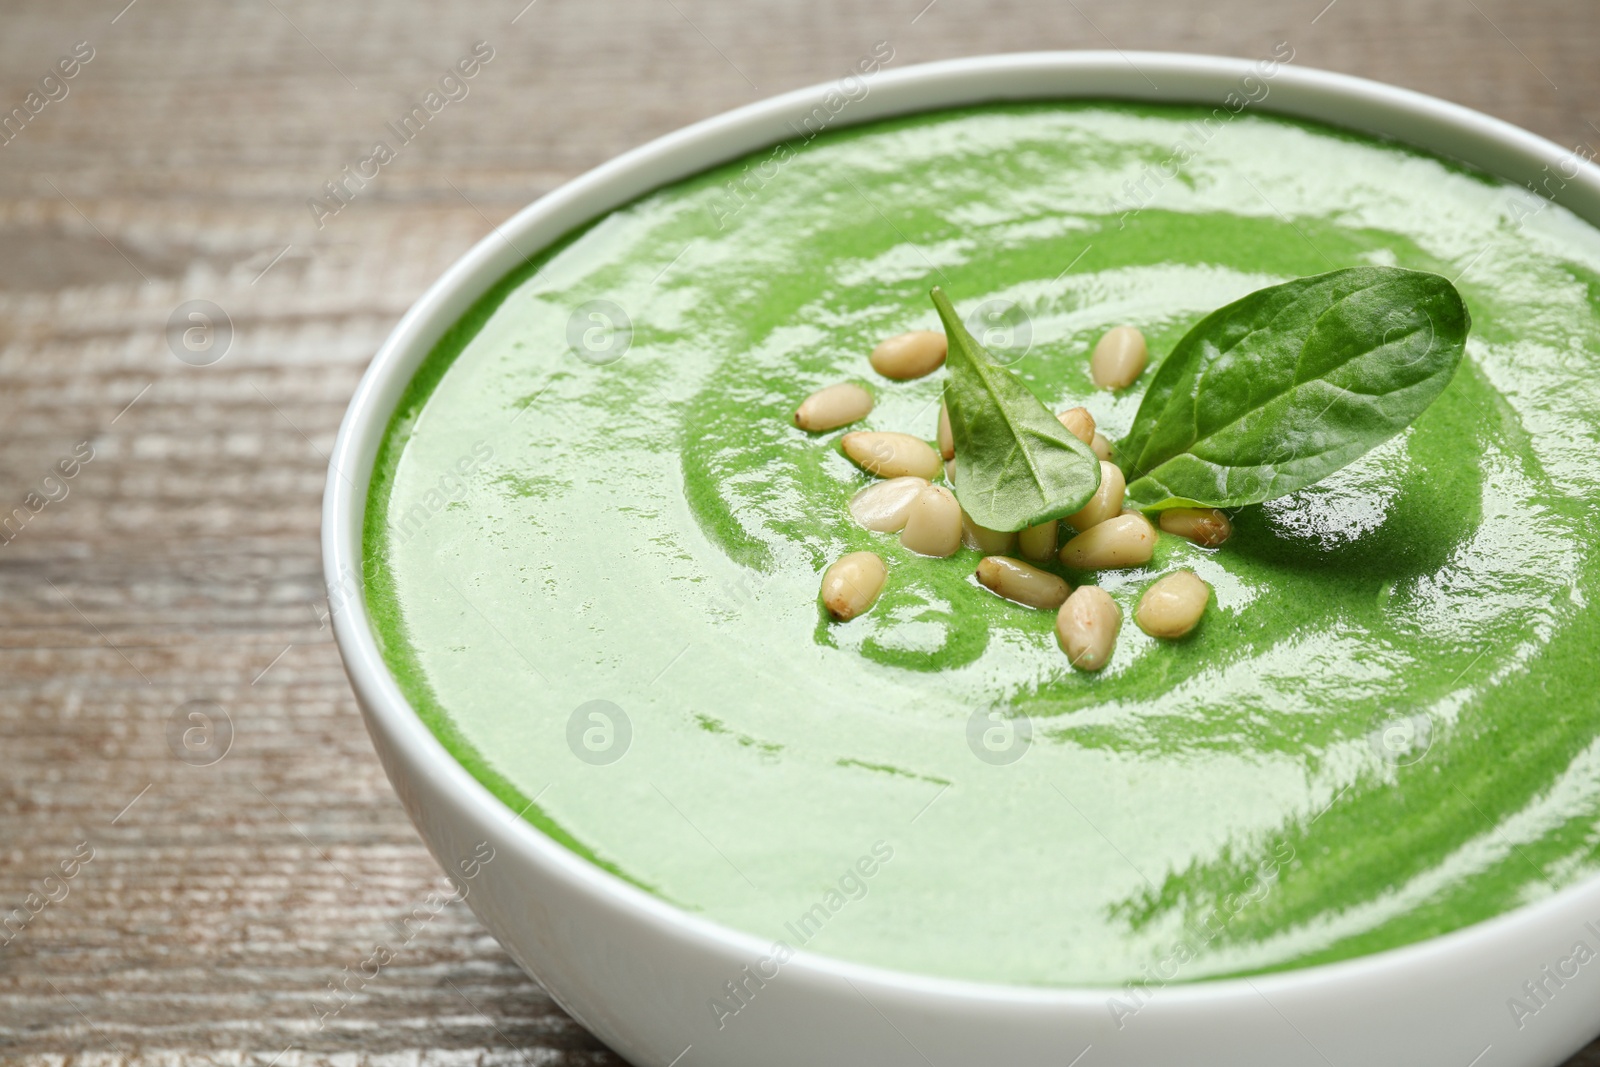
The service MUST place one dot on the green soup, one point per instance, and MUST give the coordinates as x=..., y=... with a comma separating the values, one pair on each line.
x=595, y=554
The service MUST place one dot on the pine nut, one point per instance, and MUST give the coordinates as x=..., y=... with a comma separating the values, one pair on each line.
x=1123, y=541
x=989, y=542
x=1106, y=502
x=1086, y=627
x=909, y=355
x=1119, y=358
x=1079, y=422
x=1206, y=527
x=1017, y=581
x=947, y=440
x=882, y=506
x=833, y=407
x=933, y=523
x=950, y=471
x=1172, y=605
x=852, y=584
x=1038, y=542
x=891, y=455
x=1100, y=446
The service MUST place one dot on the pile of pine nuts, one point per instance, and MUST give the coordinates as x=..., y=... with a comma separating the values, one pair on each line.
x=1103, y=535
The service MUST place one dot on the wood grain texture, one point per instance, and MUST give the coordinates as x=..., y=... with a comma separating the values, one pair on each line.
x=182, y=565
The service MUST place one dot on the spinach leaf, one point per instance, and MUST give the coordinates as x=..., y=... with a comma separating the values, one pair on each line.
x=1282, y=388
x=1016, y=465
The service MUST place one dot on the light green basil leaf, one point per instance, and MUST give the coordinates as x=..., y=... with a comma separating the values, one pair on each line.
x=1016, y=465
x=1280, y=389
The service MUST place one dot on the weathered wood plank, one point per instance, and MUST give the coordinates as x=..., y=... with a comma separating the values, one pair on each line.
x=182, y=563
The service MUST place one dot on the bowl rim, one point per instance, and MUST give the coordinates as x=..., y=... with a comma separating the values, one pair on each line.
x=1360, y=104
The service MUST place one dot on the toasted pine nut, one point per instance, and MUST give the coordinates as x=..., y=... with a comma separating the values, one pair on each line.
x=1038, y=542
x=1123, y=541
x=1172, y=605
x=891, y=455
x=1119, y=358
x=852, y=584
x=1018, y=581
x=1086, y=627
x=1106, y=502
x=882, y=506
x=1100, y=446
x=833, y=407
x=989, y=542
x=933, y=523
x=1079, y=422
x=909, y=355
x=1206, y=527
x=947, y=440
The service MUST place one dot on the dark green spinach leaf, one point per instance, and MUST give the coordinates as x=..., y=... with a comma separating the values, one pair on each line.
x=1016, y=465
x=1280, y=389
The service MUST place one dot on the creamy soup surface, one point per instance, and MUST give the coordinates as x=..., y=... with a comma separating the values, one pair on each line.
x=595, y=539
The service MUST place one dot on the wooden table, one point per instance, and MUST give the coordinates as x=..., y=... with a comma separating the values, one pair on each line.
x=236, y=873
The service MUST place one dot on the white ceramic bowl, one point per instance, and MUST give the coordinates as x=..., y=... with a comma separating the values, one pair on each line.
x=640, y=973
